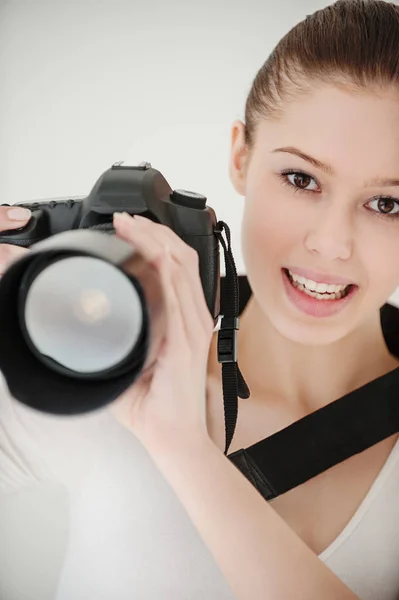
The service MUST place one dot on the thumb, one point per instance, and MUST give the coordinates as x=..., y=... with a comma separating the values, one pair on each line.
x=13, y=217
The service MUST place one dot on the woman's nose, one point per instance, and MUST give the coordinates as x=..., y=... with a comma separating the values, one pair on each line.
x=331, y=233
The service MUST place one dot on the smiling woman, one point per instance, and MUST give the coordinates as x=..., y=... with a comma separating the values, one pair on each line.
x=317, y=161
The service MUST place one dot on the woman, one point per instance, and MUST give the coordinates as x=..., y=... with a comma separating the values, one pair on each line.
x=329, y=93
x=321, y=122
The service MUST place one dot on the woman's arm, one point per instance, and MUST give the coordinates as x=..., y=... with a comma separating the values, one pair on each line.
x=258, y=553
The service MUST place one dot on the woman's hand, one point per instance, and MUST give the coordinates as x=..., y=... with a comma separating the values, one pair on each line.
x=11, y=217
x=168, y=399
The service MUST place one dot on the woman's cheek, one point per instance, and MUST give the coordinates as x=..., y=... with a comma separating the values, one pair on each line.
x=268, y=232
x=374, y=264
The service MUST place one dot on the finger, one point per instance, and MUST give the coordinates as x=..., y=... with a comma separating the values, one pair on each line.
x=181, y=252
x=175, y=335
x=184, y=326
x=13, y=217
x=188, y=258
x=8, y=255
x=197, y=327
x=133, y=232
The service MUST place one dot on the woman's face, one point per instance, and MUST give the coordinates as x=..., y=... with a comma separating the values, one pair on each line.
x=328, y=222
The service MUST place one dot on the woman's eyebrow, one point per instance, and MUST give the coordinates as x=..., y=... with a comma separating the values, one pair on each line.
x=316, y=163
x=375, y=182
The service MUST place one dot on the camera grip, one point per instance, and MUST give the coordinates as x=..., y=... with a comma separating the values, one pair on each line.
x=207, y=247
x=36, y=230
x=48, y=218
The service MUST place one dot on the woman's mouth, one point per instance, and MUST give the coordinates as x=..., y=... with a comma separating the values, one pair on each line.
x=317, y=300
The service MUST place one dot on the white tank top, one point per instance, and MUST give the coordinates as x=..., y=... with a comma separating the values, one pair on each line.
x=129, y=537
x=365, y=555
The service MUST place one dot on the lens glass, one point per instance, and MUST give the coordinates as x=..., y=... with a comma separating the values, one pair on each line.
x=84, y=313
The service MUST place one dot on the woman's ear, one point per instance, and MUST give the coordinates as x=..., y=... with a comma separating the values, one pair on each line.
x=238, y=157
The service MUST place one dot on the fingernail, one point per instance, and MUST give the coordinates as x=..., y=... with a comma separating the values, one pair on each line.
x=18, y=214
x=121, y=216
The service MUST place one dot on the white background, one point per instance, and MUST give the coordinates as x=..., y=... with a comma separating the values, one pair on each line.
x=86, y=83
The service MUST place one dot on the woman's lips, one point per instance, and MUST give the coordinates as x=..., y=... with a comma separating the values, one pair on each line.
x=313, y=306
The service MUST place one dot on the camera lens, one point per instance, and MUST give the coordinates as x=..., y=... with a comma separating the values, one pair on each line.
x=82, y=313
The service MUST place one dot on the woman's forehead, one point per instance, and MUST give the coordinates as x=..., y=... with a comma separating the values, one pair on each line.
x=345, y=130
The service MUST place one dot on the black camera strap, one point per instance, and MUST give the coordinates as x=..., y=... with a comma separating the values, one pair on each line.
x=330, y=435
x=234, y=385
x=322, y=439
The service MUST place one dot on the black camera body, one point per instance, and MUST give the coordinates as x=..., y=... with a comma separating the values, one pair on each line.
x=137, y=190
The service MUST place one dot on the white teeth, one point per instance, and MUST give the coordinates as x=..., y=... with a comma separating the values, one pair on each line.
x=298, y=278
x=318, y=288
x=309, y=284
x=301, y=287
x=330, y=288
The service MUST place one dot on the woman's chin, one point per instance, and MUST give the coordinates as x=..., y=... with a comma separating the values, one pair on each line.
x=306, y=334
x=302, y=329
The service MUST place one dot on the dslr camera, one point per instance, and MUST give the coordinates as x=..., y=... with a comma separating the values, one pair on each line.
x=77, y=324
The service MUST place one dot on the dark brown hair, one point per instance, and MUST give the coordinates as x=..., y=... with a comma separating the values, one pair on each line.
x=351, y=43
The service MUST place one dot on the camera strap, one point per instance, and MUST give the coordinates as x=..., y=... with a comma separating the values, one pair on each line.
x=234, y=385
x=322, y=439
x=330, y=435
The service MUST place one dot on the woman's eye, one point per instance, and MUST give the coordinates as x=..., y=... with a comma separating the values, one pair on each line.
x=385, y=206
x=299, y=181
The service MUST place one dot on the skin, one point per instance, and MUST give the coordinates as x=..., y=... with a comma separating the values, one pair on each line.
x=11, y=218
x=293, y=364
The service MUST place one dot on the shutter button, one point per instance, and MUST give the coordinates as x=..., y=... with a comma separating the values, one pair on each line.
x=189, y=199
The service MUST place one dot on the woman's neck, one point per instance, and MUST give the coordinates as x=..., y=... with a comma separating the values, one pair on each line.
x=308, y=377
